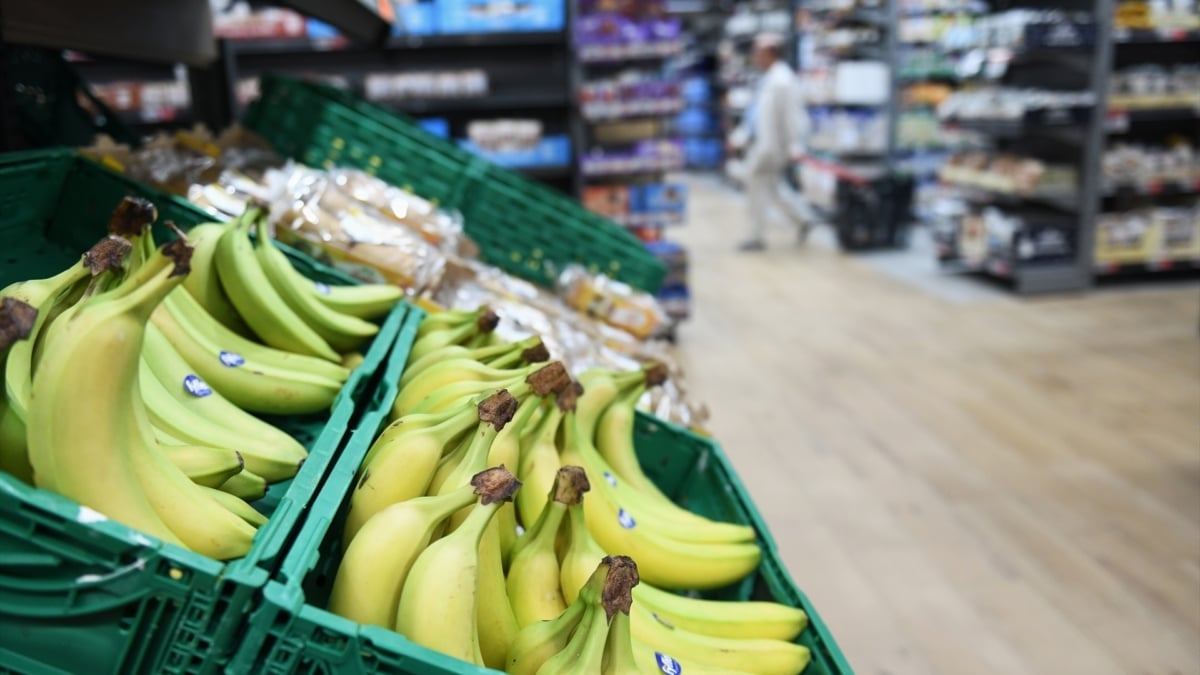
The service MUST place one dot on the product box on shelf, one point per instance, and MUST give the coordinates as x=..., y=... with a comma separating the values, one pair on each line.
x=484, y=16
x=292, y=631
x=610, y=201
x=549, y=151
x=415, y=18
x=123, y=601
x=667, y=199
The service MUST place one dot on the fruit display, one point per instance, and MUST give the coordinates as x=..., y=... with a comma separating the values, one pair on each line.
x=135, y=377
x=472, y=501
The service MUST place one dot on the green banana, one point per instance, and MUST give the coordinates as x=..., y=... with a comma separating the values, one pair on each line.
x=526, y=349
x=341, y=331
x=258, y=303
x=366, y=301
x=428, y=341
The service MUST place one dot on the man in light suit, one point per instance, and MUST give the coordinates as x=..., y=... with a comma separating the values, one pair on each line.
x=771, y=132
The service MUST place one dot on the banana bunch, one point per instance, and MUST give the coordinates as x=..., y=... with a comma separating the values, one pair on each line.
x=87, y=429
x=590, y=637
x=467, y=402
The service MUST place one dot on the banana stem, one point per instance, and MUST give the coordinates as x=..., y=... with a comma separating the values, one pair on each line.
x=496, y=484
x=617, y=595
x=131, y=217
x=552, y=378
x=498, y=409
x=567, y=399
x=16, y=321
x=107, y=254
x=569, y=485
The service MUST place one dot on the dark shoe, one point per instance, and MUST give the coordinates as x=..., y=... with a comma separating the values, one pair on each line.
x=752, y=245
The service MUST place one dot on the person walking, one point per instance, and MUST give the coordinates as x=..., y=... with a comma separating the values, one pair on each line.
x=771, y=131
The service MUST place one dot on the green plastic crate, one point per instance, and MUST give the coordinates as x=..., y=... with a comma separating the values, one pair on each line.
x=78, y=595
x=291, y=632
x=521, y=226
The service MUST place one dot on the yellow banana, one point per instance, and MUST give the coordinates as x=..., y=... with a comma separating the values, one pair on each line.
x=237, y=507
x=539, y=460
x=246, y=485
x=446, y=320
x=372, y=572
x=494, y=619
x=401, y=463
x=267, y=450
x=204, y=465
x=534, y=582
x=765, y=657
x=619, y=658
x=273, y=462
x=656, y=662
x=342, y=331
x=257, y=389
x=537, y=642
x=437, y=606
x=506, y=451
x=585, y=653
x=258, y=303
x=629, y=508
x=79, y=436
x=436, y=378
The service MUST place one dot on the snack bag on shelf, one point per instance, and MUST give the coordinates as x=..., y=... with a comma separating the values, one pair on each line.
x=613, y=302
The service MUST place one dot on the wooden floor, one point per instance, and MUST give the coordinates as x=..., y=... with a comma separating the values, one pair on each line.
x=1003, y=486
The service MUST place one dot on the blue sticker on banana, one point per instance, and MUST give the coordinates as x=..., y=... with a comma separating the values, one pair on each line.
x=323, y=289
x=626, y=520
x=196, y=386
x=612, y=480
x=667, y=665
x=231, y=359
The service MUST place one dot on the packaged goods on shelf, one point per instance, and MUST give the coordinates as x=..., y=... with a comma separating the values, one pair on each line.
x=237, y=21
x=484, y=16
x=151, y=101
x=632, y=94
x=644, y=156
x=1155, y=86
x=450, y=84
x=1149, y=235
x=1143, y=15
x=612, y=37
x=1142, y=168
x=612, y=302
x=1010, y=174
x=842, y=130
x=999, y=240
x=1031, y=28
x=516, y=143
x=1014, y=104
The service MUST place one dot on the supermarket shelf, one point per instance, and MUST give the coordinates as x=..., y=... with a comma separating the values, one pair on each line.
x=545, y=172
x=1189, y=264
x=486, y=102
x=1159, y=36
x=402, y=43
x=593, y=55
x=1037, y=120
x=1156, y=189
x=1068, y=203
x=630, y=173
x=671, y=111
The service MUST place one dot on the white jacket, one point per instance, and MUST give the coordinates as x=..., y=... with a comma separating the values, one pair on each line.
x=778, y=121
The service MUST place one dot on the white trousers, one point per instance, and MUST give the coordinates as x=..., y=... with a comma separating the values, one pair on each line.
x=769, y=197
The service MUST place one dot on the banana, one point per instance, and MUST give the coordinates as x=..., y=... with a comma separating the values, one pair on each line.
x=236, y=506
x=619, y=658
x=445, y=374
x=506, y=451
x=585, y=653
x=601, y=387
x=271, y=460
x=264, y=445
x=651, y=660
x=485, y=356
x=79, y=436
x=429, y=341
x=448, y=320
x=341, y=331
x=534, y=582
x=366, y=301
x=437, y=606
x=258, y=303
x=539, y=459
x=257, y=389
x=246, y=485
x=366, y=588
x=203, y=284
x=455, y=394
x=495, y=412
x=765, y=657
x=748, y=620
x=17, y=319
x=630, y=508
x=401, y=463
x=539, y=641
x=257, y=355
x=614, y=442
x=204, y=465
x=494, y=619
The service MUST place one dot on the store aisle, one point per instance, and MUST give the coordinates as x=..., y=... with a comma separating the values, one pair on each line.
x=973, y=487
